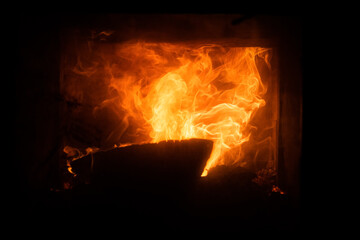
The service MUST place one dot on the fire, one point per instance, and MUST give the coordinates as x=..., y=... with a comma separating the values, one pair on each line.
x=163, y=91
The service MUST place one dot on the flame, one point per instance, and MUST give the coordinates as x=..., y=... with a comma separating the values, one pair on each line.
x=163, y=91
x=179, y=92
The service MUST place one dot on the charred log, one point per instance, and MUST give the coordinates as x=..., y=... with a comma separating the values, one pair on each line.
x=172, y=164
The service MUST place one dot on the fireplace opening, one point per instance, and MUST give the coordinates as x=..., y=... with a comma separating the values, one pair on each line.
x=178, y=117
x=126, y=93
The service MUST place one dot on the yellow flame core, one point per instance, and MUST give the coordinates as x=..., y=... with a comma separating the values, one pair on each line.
x=176, y=92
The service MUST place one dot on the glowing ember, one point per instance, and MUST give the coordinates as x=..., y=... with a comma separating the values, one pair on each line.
x=163, y=91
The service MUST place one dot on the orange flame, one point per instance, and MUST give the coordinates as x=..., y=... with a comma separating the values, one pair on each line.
x=177, y=91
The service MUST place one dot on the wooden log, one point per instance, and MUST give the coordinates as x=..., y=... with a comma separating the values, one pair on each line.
x=165, y=163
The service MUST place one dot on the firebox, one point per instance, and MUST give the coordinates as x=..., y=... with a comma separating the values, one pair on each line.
x=186, y=115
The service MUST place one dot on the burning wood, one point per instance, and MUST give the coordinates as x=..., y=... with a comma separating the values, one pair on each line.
x=181, y=161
